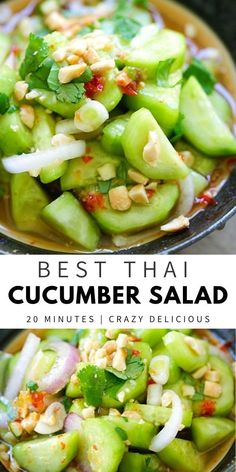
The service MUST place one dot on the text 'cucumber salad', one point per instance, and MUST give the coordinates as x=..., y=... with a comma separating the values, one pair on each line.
x=110, y=123
x=153, y=400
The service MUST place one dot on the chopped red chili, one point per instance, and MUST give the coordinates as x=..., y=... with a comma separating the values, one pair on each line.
x=150, y=192
x=94, y=86
x=207, y=408
x=37, y=400
x=131, y=89
x=150, y=382
x=93, y=201
x=207, y=200
x=231, y=161
x=135, y=352
x=16, y=50
x=225, y=347
x=87, y=159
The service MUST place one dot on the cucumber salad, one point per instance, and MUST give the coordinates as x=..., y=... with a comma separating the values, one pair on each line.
x=147, y=400
x=111, y=123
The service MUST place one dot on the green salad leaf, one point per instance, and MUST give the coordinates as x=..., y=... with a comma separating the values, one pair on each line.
x=134, y=366
x=125, y=27
x=32, y=386
x=202, y=74
x=67, y=93
x=36, y=52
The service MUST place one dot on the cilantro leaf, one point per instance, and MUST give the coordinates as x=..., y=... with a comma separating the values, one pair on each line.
x=68, y=93
x=178, y=129
x=202, y=74
x=32, y=386
x=4, y=103
x=125, y=27
x=113, y=384
x=134, y=366
x=38, y=79
x=197, y=396
x=12, y=109
x=141, y=3
x=122, y=433
x=104, y=186
x=163, y=72
x=35, y=54
x=92, y=381
x=117, y=373
x=188, y=379
x=85, y=77
x=66, y=402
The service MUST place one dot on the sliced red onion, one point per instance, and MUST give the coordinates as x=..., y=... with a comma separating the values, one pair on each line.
x=3, y=421
x=15, y=19
x=207, y=54
x=26, y=356
x=52, y=420
x=186, y=199
x=192, y=47
x=227, y=96
x=172, y=426
x=63, y=368
x=157, y=16
x=73, y=422
x=37, y=160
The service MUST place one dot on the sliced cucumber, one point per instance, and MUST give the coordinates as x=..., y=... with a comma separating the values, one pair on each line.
x=158, y=415
x=208, y=432
x=182, y=456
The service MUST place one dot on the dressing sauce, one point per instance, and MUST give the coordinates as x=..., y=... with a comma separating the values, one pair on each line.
x=176, y=17
x=211, y=458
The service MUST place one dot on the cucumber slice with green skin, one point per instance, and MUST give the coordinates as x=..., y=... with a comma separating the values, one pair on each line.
x=112, y=134
x=40, y=366
x=182, y=354
x=138, y=217
x=221, y=107
x=8, y=78
x=136, y=136
x=166, y=45
x=15, y=137
x=27, y=201
x=73, y=390
x=200, y=183
x=158, y=415
x=4, y=362
x=174, y=370
x=77, y=406
x=202, y=164
x=111, y=94
x=67, y=216
x=133, y=461
x=224, y=404
x=5, y=46
x=131, y=389
x=43, y=131
x=51, y=454
x=150, y=336
x=182, y=455
x=162, y=102
x=49, y=100
x=139, y=433
x=63, y=334
x=208, y=432
x=101, y=448
x=201, y=124
x=82, y=174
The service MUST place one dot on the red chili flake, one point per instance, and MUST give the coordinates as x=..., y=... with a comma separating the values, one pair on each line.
x=231, y=161
x=150, y=382
x=207, y=199
x=93, y=201
x=37, y=400
x=207, y=408
x=94, y=86
x=16, y=50
x=87, y=159
x=136, y=339
x=62, y=444
x=131, y=89
x=94, y=446
x=224, y=347
x=135, y=352
x=150, y=192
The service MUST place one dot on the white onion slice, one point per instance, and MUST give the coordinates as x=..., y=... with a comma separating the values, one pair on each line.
x=52, y=419
x=227, y=96
x=66, y=127
x=73, y=422
x=26, y=356
x=3, y=421
x=207, y=54
x=159, y=369
x=172, y=426
x=90, y=116
x=186, y=199
x=154, y=393
x=39, y=159
x=63, y=368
